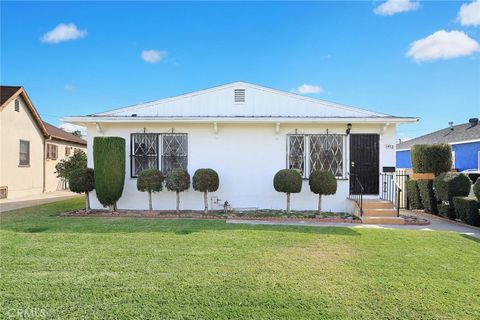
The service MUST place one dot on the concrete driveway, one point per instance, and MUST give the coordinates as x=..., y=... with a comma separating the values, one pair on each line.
x=35, y=200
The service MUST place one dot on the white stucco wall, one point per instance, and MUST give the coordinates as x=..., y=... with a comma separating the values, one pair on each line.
x=15, y=126
x=246, y=157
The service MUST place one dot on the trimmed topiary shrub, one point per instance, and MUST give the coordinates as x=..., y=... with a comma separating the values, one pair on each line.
x=473, y=176
x=476, y=189
x=448, y=185
x=178, y=180
x=467, y=210
x=429, y=202
x=109, y=165
x=288, y=181
x=413, y=195
x=205, y=180
x=82, y=181
x=150, y=180
x=322, y=183
x=431, y=158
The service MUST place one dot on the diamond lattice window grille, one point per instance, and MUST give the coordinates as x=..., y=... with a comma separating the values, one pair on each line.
x=326, y=153
x=144, y=152
x=296, y=155
x=174, y=151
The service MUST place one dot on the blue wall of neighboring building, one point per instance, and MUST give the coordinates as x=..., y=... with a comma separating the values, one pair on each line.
x=403, y=159
x=466, y=156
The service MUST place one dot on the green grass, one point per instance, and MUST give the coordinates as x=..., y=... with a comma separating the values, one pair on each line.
x=120, y=268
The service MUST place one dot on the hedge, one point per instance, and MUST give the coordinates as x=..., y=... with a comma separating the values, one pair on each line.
x=429, y=202
x=109, y=165
x=413, y=195
x=467, y=210
x=476, y=189
x=431, y=158
x=448, y=185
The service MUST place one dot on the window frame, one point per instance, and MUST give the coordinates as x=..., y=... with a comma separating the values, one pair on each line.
x=20, y=164
x=306, y=153
x=159, y=163
x=69, y=152
x=51, y=146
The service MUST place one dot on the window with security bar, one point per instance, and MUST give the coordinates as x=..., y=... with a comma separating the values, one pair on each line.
x=325, y=152
x=144, y=152
x=174, y=151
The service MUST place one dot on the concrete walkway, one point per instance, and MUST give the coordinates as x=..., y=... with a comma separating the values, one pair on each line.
x=35, y=200
x=436, y=224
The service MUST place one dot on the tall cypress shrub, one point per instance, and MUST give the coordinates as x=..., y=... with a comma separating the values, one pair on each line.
x=109, y=165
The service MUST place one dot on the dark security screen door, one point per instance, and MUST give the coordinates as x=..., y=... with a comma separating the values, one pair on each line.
x=364, y=162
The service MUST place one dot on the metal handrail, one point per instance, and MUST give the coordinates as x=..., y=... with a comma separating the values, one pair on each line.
x=358, y=197
x=391, y=190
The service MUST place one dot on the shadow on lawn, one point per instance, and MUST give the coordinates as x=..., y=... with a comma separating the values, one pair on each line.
x=469, y=237
x=140, y=225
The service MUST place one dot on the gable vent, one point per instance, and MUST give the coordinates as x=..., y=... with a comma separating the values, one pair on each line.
x=239, y=95
x=17, y=105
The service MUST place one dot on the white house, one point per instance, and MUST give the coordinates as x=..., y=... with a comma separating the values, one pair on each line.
x=247, y=133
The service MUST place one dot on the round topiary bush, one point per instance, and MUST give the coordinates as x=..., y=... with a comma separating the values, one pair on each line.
x=109, y=165
x=178, y=180
x=205, y=180
x=322, y=183
x=150, y=180
x=476, y=189
x=431, y=158
x=288, y=181
x=82, y=181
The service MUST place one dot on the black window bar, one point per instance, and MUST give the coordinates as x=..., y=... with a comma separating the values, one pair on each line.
x=144, y=152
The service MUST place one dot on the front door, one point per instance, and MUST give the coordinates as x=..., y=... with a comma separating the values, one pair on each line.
x=364, y=163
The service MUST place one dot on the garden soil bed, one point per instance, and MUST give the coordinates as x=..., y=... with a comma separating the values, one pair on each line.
x=201, y=215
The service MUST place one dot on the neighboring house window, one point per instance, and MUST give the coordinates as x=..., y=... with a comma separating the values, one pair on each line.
x=308, y=153
x=144, y=152
x=52, y=151
x=157, y=151
x=453, y=159
x=17, y=105
x=68, y=150
x=24, y=159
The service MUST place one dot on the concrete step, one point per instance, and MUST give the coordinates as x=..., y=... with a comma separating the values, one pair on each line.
x=383, y=220
x=379, y=212
x=377, y=204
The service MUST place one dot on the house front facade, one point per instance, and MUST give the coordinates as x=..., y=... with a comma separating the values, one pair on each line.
x=29, y=147
x=464, y=139
x=247, y=133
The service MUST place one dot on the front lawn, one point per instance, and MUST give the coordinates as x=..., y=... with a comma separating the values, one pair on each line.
x=97, y=268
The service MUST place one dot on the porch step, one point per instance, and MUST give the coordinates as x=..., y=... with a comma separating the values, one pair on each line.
x=377, y=204
x=379, y=212
x=382, y=220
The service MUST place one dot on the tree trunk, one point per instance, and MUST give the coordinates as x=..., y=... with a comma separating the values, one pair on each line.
x=319, y=203
x=87, y=202
x=205, y=200
x=150, y=201
x=288, y=202
x=178, y=202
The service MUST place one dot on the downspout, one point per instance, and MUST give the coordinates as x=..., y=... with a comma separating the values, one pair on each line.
x=44, y=161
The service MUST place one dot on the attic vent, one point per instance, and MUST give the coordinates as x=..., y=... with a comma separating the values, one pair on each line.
x=17, y=105
x=239, y=95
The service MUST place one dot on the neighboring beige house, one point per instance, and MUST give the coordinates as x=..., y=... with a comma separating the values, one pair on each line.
x=29, y=147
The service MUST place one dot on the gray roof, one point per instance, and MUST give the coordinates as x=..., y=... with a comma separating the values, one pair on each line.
x=460, y=133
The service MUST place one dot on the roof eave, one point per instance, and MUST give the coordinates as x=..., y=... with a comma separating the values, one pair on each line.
x=114, y=119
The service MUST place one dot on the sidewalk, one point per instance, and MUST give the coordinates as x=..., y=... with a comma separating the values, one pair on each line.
x=436, y=224
x=34, y=200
